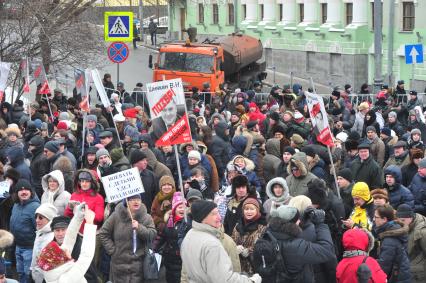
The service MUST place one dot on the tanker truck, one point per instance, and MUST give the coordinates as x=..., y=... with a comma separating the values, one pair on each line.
x=235, y=58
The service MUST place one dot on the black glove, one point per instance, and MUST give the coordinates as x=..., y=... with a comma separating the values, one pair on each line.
x=317, y=216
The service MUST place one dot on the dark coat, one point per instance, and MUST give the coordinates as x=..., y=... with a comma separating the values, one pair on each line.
x=17, y=113
x=116, y=236
x=418, y=188
x=398, y=193
x=393, y=251
x=39, y=167
x=16, y=157
x=347, y=199
x=166, y=243
x=150, y=184
x=408, y=172
x=219, y=150
x=298, y=254
x=368, y=172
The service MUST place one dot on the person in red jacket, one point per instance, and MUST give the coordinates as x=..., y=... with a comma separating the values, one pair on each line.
x=86, y=189
x=357, y=243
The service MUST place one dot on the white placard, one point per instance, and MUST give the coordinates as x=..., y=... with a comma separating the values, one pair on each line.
x=4, y=74
x=123, y=184
x=4, y=188
x=100, y=88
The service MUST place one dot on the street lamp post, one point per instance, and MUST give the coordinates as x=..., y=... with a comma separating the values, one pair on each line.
x=378, y=13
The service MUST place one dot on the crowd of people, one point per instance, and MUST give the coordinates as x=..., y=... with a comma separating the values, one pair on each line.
x=259, y=199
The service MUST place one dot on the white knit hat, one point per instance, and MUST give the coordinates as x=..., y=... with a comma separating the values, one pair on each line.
x=47, y=210
x=194, y=154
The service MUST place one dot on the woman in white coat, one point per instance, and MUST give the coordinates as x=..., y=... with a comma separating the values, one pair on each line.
x=56, y=261
x=54, y=191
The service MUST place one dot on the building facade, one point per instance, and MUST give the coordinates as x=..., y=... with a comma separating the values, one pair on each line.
x=331, y=41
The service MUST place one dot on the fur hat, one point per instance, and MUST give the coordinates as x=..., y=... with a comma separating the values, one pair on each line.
x=351, y=145
x=239, y=181
x=201, y=208
x=361, y=190
x=6, y=239
x=380, y=193
x=297, y=139
x=416, y=153
x=363, y=106
x=47, y=210
x=166, y=179
x=13, y=131
x=300, y=202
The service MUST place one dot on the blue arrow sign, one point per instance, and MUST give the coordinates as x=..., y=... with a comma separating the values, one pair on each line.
x=413, y=54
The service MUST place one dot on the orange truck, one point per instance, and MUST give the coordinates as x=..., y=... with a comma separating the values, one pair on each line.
x=235, y=58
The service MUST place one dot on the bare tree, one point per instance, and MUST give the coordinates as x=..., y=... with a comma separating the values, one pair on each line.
x=51, y=30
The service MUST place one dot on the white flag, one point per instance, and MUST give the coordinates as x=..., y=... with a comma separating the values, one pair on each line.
x=100, y=88
x=4, y=74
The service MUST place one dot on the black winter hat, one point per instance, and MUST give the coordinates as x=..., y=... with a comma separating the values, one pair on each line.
x=351, y=144
x=353, y=135
x=251, y=124
x=22, y=184
x=309, y=151
x=52, y=146
x=37, y=141
x=91, y=150
x=13, y=174
x=345, y=174
x=136, y=156
x=239, y=181
x=278, y=129
x=364, y=145
x=200, y=209
x=404, y=211
x=60, y=222
x=290, y=150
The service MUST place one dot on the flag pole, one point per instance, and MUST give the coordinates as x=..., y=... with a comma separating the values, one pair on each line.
x=333, y=168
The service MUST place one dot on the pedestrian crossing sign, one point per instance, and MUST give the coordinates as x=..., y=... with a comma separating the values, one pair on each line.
x=118, y=26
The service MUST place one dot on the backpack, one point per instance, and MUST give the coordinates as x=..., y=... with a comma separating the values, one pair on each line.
x=268, y=261
x=363, y=273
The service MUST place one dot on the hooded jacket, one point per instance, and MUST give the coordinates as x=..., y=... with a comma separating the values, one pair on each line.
x=16, y=157
x=248, y=171
x=116, y=236
x=393, y=251
x=299, y=185
x=158, y=168
x=357, y=244
x=398, y=193
x=274, y=202
x=22, y=222
x=60, y=197
x=272, y=159
x=203, y=240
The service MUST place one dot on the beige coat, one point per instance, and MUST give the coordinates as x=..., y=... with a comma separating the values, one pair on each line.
x=205, y=259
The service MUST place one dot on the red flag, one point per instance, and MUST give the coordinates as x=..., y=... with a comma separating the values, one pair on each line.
x=44, y=89
x=25, y=74
x=325, y=137
x=1, y=95
x=179, y=133
x=84, y=104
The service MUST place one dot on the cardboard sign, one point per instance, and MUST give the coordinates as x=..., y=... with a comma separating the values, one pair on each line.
x=123, y=184
x=319, y=118
x=169, y=117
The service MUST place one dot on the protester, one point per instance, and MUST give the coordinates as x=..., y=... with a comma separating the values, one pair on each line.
x=203, y=239
x=54, y=191
x=117, y=236
x=163, y=201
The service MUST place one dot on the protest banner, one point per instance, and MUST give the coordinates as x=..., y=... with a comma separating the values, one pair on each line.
x=4, y=75
x=81, y=88
x=319, y=118
x=166, y=100
x=100, y=88
x=41, y=78
x=122, y=185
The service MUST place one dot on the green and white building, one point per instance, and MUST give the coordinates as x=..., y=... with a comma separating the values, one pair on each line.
x=329, y=40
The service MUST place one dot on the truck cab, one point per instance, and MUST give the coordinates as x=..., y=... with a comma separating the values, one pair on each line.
x=196, y=64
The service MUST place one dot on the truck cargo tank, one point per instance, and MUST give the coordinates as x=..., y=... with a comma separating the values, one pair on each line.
x=239, y=52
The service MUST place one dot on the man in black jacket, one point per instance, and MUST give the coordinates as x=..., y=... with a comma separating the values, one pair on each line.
x=150, y=184
x=39, y=165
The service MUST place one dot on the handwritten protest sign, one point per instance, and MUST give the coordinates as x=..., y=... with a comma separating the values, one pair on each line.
x=123, y=184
